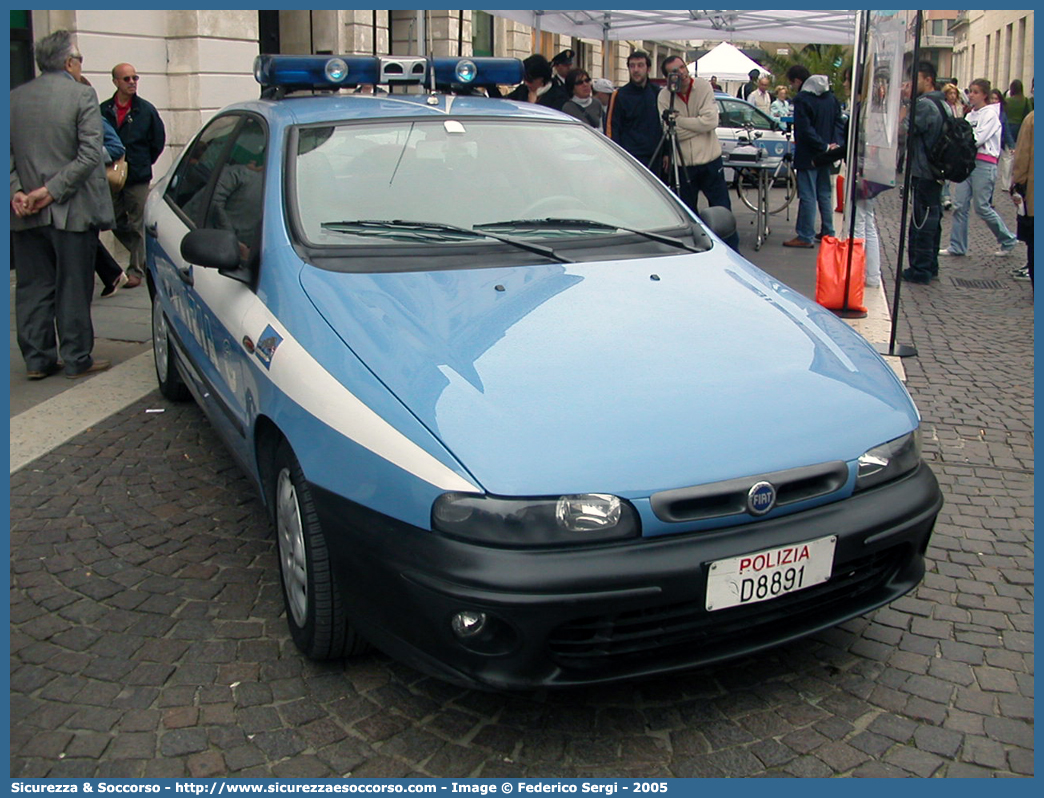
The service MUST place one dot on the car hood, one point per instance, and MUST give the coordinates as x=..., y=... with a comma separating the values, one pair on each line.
x=622, y=377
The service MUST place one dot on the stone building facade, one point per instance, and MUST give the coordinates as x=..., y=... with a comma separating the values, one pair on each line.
x=996, y=45
x=194, y=62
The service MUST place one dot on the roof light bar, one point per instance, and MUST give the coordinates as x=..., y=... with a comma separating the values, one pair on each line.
x=478, y=71
x=288, y=72
x=315, y=71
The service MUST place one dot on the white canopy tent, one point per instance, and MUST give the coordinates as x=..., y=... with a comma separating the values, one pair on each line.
x=726, y=63
x=820, y=27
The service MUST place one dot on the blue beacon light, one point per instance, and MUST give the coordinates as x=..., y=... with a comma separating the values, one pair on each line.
x=315, y=71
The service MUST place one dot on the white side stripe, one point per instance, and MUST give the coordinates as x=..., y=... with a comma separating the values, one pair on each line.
x=298, y=375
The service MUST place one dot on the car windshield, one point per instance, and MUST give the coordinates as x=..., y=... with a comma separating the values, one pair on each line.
x=469, y=173
x=740, y=114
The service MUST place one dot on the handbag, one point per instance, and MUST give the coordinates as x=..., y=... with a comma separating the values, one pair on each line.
x=832, y=268
x=117, y=174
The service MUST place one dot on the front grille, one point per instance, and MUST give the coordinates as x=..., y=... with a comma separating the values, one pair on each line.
x=609, y=639
x=729, y=498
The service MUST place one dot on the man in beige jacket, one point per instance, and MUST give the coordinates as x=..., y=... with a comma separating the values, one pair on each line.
x=696, y=119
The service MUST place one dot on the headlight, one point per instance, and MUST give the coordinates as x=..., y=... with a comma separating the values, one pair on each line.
x=889, y=460
x=551, y=521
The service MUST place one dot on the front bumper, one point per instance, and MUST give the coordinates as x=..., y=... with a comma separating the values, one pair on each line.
x=599, y=614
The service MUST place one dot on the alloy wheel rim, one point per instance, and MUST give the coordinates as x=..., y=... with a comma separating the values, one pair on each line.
x=293, y=560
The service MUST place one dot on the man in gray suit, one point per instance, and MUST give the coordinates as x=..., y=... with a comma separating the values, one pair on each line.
x=59, y=201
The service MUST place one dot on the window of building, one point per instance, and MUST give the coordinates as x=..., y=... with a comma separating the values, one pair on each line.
x=21, y=48
x=481, y=33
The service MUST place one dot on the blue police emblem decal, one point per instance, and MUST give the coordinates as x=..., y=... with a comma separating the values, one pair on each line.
x=761, y=498
x=267, y=345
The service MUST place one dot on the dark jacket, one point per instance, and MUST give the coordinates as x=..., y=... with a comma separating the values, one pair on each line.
x=818, y=121
x=142, y=134
x=555, y=97
x=634, y=120
x=928, y=124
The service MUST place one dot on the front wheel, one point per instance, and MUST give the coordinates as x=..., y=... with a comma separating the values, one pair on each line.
x=170, y=383
x=781, y=192
x=315, y=609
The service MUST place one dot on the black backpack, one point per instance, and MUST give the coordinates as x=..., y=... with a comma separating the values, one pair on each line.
x=952, y=157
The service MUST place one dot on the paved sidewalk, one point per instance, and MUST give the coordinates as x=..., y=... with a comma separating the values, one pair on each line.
x=146, y=637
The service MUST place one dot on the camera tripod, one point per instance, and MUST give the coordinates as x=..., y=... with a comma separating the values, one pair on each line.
x=675, y=176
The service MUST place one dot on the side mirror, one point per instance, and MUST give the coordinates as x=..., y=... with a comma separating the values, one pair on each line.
x=720, y=221
x=213, y=249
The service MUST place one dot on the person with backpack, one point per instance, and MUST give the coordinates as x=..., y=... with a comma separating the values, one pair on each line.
x=926, y=182
x=977, y=190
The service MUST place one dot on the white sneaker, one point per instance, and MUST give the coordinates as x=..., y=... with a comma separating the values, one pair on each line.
x=946, y=252
x=1021, y=274
x=1003, y=253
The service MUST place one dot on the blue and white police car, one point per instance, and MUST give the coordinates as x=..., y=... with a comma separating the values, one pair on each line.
x=520, y=418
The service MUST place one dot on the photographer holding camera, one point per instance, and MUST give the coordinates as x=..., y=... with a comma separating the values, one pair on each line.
x=689, y=106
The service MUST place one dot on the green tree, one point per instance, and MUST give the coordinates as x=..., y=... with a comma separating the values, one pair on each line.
x=832, y=60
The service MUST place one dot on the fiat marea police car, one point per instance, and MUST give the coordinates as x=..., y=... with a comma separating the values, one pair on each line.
x=520, y=417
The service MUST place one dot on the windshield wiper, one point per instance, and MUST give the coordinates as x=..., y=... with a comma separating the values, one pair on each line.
x=551, y=221
x=432, y=231
x=589, y=224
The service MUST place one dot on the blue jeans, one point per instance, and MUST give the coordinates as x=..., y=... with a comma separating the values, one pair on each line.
x=977, y=191
x=813, y=186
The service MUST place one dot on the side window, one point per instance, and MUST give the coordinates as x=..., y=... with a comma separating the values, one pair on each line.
x=236, y=204
x=187, y=189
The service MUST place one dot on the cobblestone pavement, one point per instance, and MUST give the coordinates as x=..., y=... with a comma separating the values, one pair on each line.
x=147, y=637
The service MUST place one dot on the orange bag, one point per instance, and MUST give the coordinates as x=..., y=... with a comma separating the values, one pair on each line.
x=831, y=267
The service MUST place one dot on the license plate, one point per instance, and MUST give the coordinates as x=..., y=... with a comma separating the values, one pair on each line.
x=769, y=574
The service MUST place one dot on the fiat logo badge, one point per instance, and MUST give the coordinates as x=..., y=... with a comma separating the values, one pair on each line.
x=761, y=498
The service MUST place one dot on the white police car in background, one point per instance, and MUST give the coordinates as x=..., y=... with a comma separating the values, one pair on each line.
x=739, y=121
x=519, y=417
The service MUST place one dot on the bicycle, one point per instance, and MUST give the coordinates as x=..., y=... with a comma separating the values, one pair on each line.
x=782, y=182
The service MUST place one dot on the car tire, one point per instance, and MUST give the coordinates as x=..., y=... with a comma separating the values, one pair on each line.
x=315, y=609
x=170, y=383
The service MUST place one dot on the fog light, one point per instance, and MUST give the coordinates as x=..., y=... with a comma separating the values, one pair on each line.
x=468, y=623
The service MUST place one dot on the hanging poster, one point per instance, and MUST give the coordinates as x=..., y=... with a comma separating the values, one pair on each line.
x=880, y=122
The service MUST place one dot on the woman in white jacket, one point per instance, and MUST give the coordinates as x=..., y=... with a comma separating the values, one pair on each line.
x=977, y=190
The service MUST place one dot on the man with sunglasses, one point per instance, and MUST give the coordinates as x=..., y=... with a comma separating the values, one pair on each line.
x=140, y=128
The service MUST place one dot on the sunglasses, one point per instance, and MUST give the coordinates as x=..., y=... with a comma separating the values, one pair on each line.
x=130, y=79
x=584, y=80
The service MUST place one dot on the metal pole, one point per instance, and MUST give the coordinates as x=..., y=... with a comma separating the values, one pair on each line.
x=422, y=35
